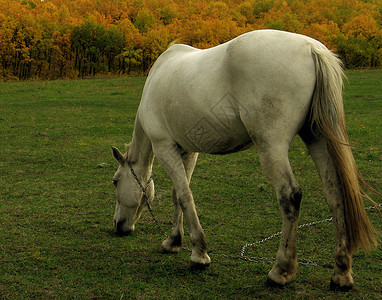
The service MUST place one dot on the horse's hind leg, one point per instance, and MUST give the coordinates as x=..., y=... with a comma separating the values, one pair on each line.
x=341, y=279
x=275, y=163
x=174, y=241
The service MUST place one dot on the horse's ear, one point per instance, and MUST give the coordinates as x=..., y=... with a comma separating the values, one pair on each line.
x=118, y=155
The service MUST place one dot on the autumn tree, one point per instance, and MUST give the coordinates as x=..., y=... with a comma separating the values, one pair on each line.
x=69, y=38
x=95, y=48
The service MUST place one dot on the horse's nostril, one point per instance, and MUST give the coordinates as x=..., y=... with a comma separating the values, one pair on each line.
x=119, y=228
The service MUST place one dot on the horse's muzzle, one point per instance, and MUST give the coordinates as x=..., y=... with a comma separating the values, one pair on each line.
x=120, y=230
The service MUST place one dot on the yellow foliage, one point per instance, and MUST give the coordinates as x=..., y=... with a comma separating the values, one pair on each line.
x=31, y=33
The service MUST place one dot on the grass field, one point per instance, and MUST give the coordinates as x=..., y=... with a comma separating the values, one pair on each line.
x=57, y=203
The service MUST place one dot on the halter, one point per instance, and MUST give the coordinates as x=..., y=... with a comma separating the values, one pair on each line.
x=144, y=188
x=139, y=182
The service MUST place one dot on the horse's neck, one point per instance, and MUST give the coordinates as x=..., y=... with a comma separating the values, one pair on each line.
x=140, y=151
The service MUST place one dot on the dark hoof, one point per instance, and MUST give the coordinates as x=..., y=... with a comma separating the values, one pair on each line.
x=338, y=288
x=199, y=267
x=164, y=251
x=173, y=250
x=269, y=282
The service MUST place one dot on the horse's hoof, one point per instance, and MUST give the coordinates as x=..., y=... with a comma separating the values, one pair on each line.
x=172, y=250
x=198, y=266
x=338, y=288
x=269, y=282
x=169, y=246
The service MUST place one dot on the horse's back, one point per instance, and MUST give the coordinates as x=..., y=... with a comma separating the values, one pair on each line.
x=262, y=59
x=273, y=58
x=259, y=81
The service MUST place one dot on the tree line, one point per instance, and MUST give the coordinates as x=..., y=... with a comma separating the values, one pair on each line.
x=49, y=39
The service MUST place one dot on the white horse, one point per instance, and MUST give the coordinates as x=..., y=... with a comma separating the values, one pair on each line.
x=261, y=89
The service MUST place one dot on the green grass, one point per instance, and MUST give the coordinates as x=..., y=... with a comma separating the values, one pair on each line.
x=57, y=203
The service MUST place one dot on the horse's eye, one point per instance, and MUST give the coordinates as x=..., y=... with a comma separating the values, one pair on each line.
x=115, y=182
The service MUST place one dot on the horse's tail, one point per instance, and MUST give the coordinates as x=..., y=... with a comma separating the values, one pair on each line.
x=328, y=118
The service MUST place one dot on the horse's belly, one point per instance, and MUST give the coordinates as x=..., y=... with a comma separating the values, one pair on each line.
x=210, y=136
x=211, y=125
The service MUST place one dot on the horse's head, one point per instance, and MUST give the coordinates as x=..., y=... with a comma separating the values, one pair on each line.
x=130, y=194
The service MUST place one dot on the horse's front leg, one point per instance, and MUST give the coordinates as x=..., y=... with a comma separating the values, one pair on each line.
x=173, y=243
x=199, y=257
x=179, y=168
